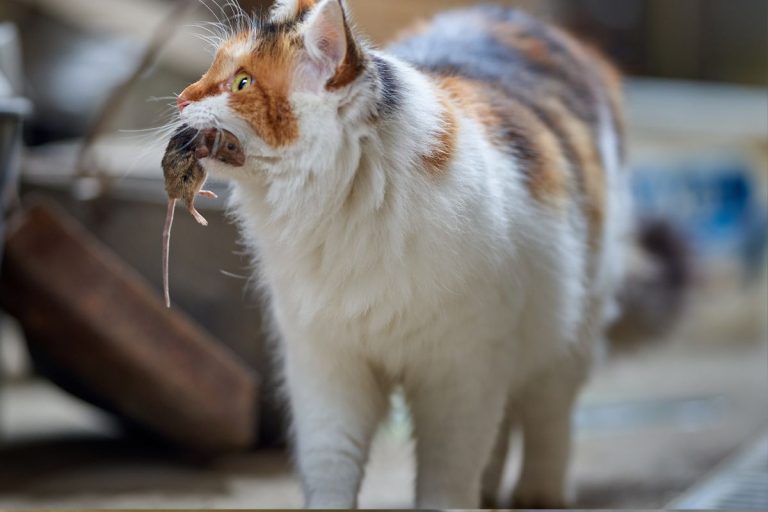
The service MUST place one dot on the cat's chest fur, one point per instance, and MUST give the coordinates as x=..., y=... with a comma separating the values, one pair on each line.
x=399, y=277
x=420, y=277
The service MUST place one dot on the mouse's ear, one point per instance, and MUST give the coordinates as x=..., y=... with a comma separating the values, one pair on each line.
x=202, y=152
x=332, y=55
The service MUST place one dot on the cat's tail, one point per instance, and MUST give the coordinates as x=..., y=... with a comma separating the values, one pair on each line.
x=656, y=287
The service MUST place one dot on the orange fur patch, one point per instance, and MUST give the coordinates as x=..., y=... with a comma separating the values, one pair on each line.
x=352, y=65
x=264, y=105
x=213, y=82
x=547, y=175
x=510, y=124
x=590, y=173
x=440, y=155
x=303, y=6
x=534, y=48
x=468, y=96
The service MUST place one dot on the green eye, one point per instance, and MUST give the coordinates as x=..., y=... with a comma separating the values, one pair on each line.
x=241, y=82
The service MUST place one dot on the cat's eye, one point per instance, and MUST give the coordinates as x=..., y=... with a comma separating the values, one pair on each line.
x=241, y=82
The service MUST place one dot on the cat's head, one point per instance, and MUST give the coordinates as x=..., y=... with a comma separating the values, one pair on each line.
x=281, y=82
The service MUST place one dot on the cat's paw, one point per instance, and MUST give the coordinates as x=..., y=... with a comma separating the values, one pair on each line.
x=489, y=503
x=538, y=500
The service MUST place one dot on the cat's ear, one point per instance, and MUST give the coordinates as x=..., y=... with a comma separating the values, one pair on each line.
x=325, y=33
x=329, y=45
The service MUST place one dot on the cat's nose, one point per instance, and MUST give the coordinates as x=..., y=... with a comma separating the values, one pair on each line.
x=182, y=103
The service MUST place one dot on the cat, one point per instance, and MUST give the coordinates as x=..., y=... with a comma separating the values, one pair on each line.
x=448, y=215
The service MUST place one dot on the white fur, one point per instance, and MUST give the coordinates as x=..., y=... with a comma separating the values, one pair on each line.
x=459, y=287
x=284, y=10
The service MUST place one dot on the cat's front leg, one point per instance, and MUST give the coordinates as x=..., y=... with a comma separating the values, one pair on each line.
x=457, y=409
x=337, y=402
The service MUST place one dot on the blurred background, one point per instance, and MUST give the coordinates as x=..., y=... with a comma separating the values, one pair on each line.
x=108, y=400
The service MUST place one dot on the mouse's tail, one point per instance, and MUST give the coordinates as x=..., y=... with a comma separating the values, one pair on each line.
x=167, y=250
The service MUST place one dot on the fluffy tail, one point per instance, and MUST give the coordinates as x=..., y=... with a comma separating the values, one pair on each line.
x=655, y=291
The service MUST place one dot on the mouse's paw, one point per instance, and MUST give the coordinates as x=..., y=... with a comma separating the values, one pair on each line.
x=199, y=218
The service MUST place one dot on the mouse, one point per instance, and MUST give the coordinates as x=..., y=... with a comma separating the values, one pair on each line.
x=185, y=176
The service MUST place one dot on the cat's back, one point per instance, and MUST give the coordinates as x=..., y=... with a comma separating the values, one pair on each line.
x=525, y=57
x=541, y=95
x=509, y=49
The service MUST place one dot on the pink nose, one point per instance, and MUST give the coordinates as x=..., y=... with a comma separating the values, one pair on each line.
x=182, y=104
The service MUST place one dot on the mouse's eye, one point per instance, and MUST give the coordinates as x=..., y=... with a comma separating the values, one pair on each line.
x=241, y=82
x=231, y=146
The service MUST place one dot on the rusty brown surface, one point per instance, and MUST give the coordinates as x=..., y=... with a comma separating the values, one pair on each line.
x=101, y=322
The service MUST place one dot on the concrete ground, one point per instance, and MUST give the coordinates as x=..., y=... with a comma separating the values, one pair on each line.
x=649, y=426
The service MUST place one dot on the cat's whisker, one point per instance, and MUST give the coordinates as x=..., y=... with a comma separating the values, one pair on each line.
x=208, y=37
x=213, y=32
x=237, y=14
x=149, y=133
x=211, y=43
x=167, y=126
x=213, y=13
x=230, y=15
x=221, y=27
x=155, y=99
x=142, y=158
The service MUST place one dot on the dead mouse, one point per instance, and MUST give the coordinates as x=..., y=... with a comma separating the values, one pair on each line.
x=185, y=177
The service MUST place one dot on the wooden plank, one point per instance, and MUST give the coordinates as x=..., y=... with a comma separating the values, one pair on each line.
x=96, y=320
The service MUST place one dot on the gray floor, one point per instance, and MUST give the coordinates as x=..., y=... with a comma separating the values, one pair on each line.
x=649, y=427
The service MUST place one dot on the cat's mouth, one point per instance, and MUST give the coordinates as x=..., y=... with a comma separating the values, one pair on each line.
x=201, y=117
x=261, y=162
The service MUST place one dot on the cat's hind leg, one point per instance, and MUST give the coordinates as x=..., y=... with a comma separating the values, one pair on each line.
x=494, y=469
x=457, y=407
x=545, y=410
x=545, y=407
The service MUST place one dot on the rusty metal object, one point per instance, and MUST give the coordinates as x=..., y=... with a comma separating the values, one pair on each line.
x=98, y=321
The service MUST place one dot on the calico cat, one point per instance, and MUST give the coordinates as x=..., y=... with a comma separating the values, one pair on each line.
x=448, y=215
